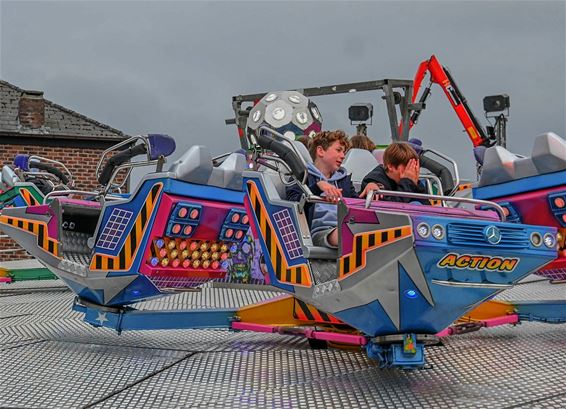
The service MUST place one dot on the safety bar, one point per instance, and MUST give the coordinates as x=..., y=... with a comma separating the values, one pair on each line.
x=42, y=159
x=495, y=206
x=98, y=195
x=129, y=141
x=283, y=139
x=436, y=180
x=454, y=165
x=128, y=166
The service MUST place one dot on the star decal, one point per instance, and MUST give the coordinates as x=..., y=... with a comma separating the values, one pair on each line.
x=101, y=318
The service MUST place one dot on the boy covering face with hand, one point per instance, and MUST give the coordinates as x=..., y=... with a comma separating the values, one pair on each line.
x=399, y=172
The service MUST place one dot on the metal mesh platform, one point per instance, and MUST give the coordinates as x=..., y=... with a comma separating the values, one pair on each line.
x=49, y=358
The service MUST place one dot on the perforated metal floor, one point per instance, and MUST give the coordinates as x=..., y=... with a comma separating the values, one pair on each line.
x=49, y=358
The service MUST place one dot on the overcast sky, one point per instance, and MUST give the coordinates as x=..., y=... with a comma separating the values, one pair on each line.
x=172, y=67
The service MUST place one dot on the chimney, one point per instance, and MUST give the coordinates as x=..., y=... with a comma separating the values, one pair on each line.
x=31, y=110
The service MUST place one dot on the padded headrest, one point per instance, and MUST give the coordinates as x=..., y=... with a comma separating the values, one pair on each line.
x=359, y=162
x=194, y=166
x=9, y=178
x=22, y=161
x=378, y=154
x=549, y=153
x=500, y=165
x=160, y=145
x=229, y=174
x=303, y=150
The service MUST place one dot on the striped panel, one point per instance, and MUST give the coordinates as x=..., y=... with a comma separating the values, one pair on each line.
x=363, y=242
x=296, y=275
x=28, y=197
x=306, y=312
x=36, y=228
x=123, y=261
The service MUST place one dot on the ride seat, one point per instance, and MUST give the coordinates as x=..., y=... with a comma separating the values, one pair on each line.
x=303, y=150
x=275, y=191
x=194, y=166
x=378, y=155
x=228, y=174
x=9, y=178
x=359, y=162
x=500, y=165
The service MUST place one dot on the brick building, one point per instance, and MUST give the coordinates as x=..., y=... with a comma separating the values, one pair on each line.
x=33, y=125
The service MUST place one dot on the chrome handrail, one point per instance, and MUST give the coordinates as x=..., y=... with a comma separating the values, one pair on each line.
x=40, y=158
x=495, y=206
x=435, y=179
x=128, y=141
x=128, y=166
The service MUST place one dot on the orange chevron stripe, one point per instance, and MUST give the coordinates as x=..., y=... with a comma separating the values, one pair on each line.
x=34, y=227
x=356, y=260
x=306, y=312
x=297, y=275
x=28, y=197
x=127, y=254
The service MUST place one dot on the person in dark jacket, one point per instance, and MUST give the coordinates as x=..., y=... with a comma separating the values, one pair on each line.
x=328, y=179
x=399, y=172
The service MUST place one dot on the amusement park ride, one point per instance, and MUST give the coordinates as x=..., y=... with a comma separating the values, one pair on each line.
x=403, y=275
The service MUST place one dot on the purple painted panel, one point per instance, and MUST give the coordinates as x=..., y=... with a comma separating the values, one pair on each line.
x=52, y=224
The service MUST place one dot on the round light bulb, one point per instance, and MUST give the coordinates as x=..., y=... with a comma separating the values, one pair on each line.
x=437, y=232
x=278, y=114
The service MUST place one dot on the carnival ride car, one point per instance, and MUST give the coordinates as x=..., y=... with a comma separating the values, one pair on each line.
x=30, y=178
x=401, y=274
x=531, y=190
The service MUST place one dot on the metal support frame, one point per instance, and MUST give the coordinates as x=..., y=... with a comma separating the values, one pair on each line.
x=396, y=92
x=128, y=318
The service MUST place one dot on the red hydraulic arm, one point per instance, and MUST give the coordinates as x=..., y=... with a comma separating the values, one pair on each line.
x=441, y=76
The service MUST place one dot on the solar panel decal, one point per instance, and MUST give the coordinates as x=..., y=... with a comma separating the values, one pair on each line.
x=114, y=229
x=289, y=234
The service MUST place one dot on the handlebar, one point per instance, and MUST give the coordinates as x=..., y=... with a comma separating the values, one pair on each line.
x=118, y=160
x=493, y=205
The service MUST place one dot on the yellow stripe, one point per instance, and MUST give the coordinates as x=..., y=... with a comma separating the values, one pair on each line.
x=26, y=223
x=130, y=246
x=390, y=233
x=275, y=248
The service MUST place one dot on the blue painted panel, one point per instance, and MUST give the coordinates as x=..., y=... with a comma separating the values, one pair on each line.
x=138, y=290
x=94, y=296
x=178, y=187
x=371, y=319
x=134, y=205
x=520, y=186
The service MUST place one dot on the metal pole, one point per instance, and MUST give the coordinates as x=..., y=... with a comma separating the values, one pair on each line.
x=362, y=129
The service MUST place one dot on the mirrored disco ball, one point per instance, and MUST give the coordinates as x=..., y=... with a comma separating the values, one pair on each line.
x=288, y=112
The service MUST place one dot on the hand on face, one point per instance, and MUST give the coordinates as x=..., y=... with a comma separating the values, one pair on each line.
x=331, y=192
x=412, y=171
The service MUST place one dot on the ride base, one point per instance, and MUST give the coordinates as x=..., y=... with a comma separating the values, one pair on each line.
x=51, y=358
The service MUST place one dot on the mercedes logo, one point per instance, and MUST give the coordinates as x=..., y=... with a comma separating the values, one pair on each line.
x=492, y=234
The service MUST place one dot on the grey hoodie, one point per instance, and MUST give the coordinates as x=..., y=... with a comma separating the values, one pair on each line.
x=325, y=215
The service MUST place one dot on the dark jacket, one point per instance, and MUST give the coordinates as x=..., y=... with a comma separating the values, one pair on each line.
x=323, y=215
x=379, y=176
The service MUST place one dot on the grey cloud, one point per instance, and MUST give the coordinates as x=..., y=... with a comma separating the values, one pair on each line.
x=173, y=67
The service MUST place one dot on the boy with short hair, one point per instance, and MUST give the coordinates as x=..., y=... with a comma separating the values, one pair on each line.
x=399, y=172
x=328, y=179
